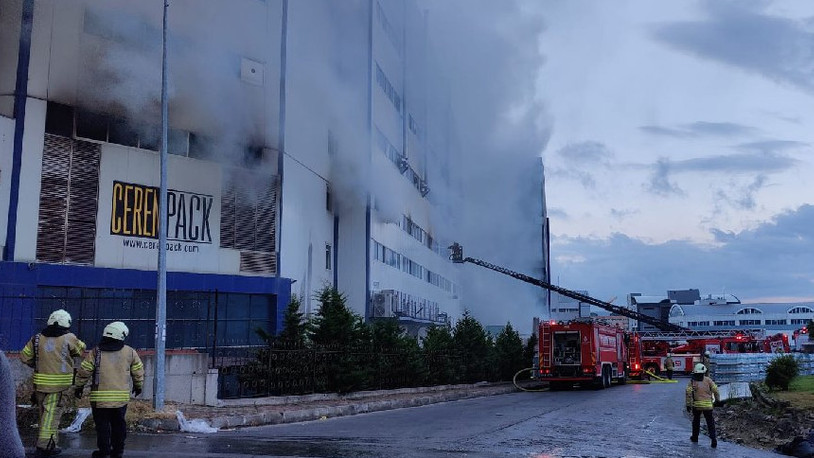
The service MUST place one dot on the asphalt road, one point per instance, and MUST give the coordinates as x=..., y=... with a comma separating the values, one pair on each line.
x=623, y=421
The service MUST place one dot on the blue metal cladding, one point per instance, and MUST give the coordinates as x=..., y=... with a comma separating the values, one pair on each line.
x=28, y=292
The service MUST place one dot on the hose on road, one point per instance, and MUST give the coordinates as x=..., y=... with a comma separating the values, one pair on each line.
x=514, y=379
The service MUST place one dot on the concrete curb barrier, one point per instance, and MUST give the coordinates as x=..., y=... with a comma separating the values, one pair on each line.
x=352, y=404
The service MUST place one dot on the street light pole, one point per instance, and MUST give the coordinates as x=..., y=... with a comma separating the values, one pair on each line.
x=161, y=290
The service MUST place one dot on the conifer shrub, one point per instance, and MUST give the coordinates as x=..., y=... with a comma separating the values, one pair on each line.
x=781, y=371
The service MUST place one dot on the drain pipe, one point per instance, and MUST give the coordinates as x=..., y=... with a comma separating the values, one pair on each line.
x=20, y=96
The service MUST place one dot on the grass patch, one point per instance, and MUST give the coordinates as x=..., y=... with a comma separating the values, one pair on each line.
x=800, y=393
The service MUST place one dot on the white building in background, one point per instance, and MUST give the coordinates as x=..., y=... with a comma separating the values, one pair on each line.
x=311, y=144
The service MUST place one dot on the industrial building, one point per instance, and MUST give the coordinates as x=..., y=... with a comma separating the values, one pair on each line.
x=311, y=144
x=688, y=309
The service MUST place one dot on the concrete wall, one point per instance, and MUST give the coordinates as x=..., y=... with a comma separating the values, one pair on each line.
x=188, y=378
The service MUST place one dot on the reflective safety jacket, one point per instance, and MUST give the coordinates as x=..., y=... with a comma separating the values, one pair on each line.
x=700, y=395
x=117, y=374
x=53, y=362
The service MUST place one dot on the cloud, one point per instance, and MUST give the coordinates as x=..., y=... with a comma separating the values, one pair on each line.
x=771, y=146
x=742, y=35
x=742, y=197
x=763, y=163
x=735, y=163
x=718, y=128
x=586, y=179
x=660, y=183
x=700, y=129
x=586, y=152
x=621, y=214
x=771, y=260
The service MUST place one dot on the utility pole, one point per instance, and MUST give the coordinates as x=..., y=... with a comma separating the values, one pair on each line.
x=161, y=290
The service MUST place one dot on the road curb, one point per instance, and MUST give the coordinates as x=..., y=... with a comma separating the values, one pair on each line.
x=364, y=404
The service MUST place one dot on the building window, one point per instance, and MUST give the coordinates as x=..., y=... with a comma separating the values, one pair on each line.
x=749, y=322
x=801, y=310
x=328, y=256
x=775, y=322
x=799, y=321
x=698, y=323
x=724, y=323
x=748, y=311
x=388, y=89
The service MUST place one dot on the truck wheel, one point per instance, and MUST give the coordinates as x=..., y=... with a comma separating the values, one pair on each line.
x=653, y=369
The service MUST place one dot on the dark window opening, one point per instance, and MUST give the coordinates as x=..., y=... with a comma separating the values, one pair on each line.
x=328, y=256
x=200, y=146
x=59, y=120
x=122, y=133
x=328, y=200
x=91, y=125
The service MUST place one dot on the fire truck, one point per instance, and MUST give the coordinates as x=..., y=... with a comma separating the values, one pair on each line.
x=644, y=351
x=583, y=351
x=686, y=347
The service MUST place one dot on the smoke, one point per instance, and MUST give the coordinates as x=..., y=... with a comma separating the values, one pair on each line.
x=120, y=74
x=484, y=64
x=490, y=53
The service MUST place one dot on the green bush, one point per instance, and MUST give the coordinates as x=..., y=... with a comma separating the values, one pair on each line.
x=781, y=371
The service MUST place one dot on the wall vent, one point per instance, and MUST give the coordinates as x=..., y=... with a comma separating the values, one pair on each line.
x=66, y=231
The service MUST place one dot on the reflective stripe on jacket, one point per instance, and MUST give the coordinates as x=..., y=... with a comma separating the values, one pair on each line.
x=119, y=372
x=54, y=361
x=700, y=395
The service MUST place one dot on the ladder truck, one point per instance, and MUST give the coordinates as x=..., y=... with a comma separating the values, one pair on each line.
x=645, y=351
x=581, y=351
x=456, y=256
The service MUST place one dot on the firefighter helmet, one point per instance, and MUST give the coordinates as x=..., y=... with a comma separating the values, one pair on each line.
x=60, y=318
x=699, y=369
x=706, y=353
x=116, y=330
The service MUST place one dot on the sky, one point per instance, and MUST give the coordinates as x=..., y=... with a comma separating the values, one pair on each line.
x=681, y=148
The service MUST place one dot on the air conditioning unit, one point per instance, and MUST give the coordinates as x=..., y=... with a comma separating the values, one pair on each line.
x=383, y=303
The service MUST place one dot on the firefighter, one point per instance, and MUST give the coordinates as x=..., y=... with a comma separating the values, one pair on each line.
x=669, y=365
x=701, y=394
x=705, y=360
x=51, y=353
x=114, y=370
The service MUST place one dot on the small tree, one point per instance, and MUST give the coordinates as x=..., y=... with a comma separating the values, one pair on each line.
x=439, y=356
x=335, y=333
x=530, y=350
x=472, y=346
x=509, y=353
x=294, y=333
x=781, y=371
x=810, y=327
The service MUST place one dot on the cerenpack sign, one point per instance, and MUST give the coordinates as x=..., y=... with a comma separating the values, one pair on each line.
x=135, y=213
x=128, y=215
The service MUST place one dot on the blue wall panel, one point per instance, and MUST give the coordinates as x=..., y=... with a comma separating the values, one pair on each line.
x=19, y=283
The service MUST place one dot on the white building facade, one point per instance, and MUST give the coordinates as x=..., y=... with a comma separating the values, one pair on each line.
x=310, y=145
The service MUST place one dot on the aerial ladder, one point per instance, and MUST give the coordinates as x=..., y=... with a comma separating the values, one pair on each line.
x=457, y=256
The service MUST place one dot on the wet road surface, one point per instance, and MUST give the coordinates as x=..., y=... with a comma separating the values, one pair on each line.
x=623, y=421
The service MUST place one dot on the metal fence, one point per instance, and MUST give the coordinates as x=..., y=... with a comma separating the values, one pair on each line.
x=751, y=367
x=279, y=369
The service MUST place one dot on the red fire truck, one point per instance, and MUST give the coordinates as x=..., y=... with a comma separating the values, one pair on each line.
x=687, y=347
x=583, y=351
